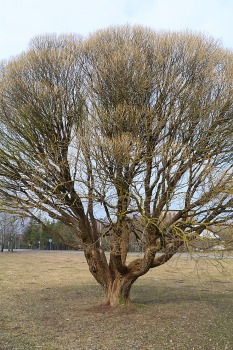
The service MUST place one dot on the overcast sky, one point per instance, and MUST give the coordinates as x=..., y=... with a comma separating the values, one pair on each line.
x=20, y=20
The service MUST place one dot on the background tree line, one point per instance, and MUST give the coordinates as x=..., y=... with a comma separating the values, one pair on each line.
x=38, y=236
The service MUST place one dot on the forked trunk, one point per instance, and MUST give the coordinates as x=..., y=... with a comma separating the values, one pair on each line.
x=116, y=285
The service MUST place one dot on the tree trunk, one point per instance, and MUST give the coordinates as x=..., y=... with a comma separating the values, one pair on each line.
x=118, y=292
x=116, y=285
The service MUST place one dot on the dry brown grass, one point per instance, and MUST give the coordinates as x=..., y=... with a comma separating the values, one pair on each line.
x=50, y=301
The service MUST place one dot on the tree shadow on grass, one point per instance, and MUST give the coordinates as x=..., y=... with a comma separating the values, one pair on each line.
x=165, y=294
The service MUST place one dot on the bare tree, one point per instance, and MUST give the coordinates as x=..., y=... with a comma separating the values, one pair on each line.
x=118, y=129
x=8, y=231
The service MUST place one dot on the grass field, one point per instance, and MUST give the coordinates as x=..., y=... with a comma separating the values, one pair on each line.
x=50, y=301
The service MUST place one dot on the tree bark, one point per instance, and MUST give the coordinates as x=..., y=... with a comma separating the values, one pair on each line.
x=116, y=278
x=118, y=292
x=116, y=285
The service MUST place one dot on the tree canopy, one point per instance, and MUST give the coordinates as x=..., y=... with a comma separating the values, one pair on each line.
x=115, y=131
